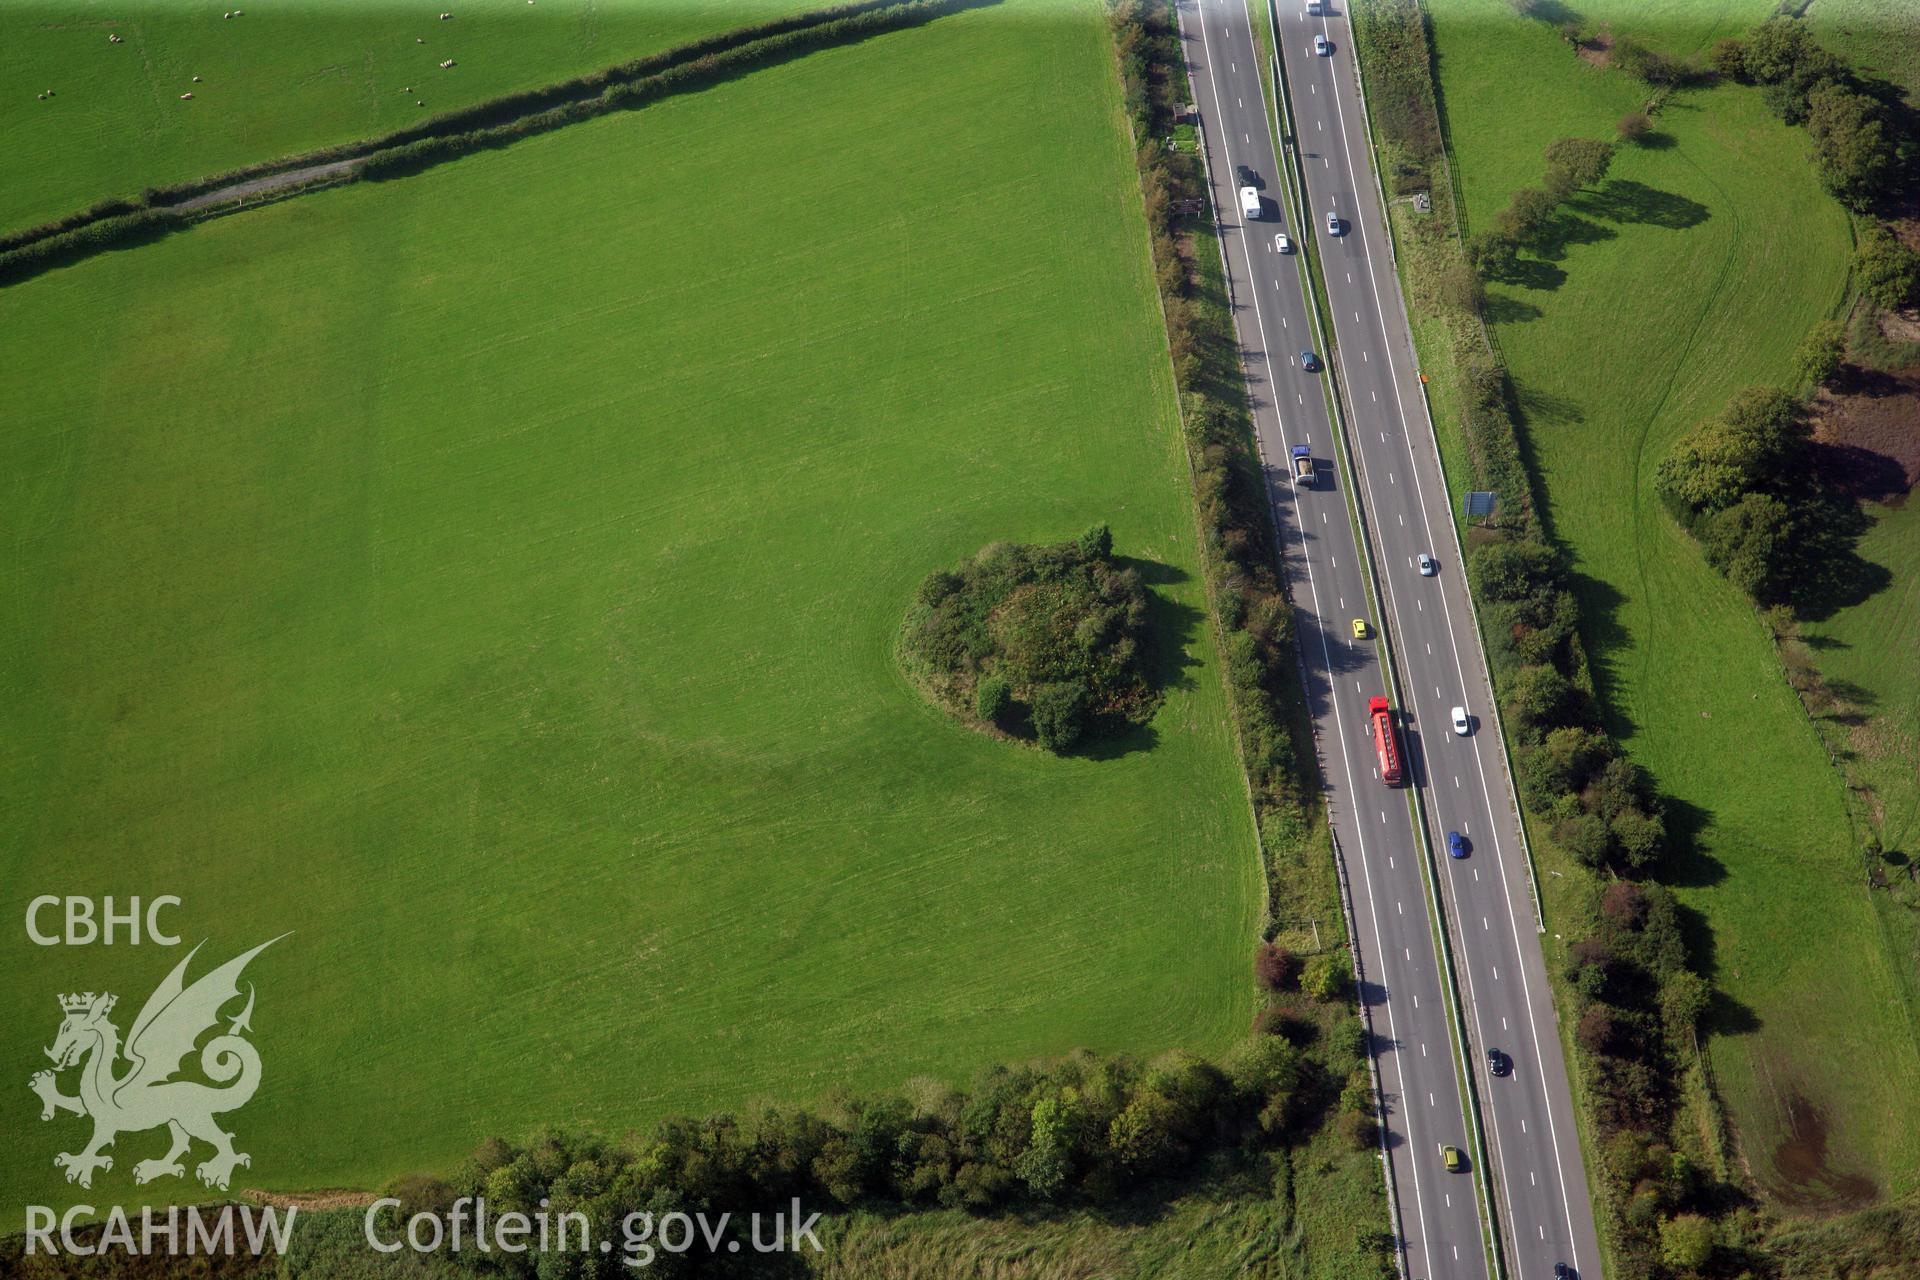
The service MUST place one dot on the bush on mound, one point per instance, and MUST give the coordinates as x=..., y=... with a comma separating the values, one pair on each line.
x=1041, y=642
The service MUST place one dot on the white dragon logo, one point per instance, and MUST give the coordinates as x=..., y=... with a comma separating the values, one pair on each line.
x=146, y=1095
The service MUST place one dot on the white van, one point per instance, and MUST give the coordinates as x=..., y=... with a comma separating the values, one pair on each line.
x=1315, y=8
x=1250, y=202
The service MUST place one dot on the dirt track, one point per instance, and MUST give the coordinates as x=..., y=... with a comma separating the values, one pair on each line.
x=259, y=186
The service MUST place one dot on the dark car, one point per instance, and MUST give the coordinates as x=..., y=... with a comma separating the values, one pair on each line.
x=1499, y=1063
x=1561, y=1271
x=1458, y=846
x=1247, y=177
x=1309, y=361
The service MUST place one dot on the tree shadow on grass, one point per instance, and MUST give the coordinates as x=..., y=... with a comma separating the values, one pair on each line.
x=1535, y=403
x=1832, y=574
x=1623, y=200
x=1505, y=309
x=1689, y=863
x=1563, y=231
x=1607, y=643
x=1175, y=627
x=1533, y=273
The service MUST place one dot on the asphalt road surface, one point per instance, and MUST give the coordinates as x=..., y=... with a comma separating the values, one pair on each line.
x=1438, y=1215
x=1464, y=782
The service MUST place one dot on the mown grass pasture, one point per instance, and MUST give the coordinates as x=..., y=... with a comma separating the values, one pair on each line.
x=1879, y=36
x=1692, y=272
x=494, y=577
x=278, y=79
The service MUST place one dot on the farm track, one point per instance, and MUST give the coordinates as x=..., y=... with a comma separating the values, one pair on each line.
x=262, y=186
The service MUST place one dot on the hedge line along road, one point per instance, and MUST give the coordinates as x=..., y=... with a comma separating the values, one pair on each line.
x=1541, y=1196
x=1402, y=984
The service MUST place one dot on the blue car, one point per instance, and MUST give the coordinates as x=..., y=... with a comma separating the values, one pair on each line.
x=1458, y=846
x=1309, y=361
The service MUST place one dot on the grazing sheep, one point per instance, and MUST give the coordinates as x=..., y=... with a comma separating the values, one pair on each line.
x=185, y=97
x=196, y=79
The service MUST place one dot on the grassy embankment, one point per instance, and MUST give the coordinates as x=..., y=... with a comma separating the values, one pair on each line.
x=1695, y=273
x=493, y=576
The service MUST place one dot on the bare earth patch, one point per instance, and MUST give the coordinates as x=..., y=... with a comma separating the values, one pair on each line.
x=1806, y=1179
x=1597, y=48
x=1867, y=434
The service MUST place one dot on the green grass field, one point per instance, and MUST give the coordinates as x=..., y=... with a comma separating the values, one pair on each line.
x=1882, y=36
x=278, y=79
x=1711, y=256
x=493, y=576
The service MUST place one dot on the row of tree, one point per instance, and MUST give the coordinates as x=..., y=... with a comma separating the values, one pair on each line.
x=1638, y=1003
x=1573, y=164
x=1082, y=1130
x=1863, y=132
x=1581, y=791
x=1255, y=616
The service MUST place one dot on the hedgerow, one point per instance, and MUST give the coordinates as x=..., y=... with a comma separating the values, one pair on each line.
x=1230, y=496
x=492, y=123
x=1636, y=1000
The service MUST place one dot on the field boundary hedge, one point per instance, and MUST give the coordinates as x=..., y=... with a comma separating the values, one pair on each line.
x=1636, y=1001
x=686, y=68
x=1239, y=544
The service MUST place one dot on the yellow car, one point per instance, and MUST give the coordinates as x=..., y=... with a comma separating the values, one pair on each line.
x=1455, y=1162
x=1359, y=628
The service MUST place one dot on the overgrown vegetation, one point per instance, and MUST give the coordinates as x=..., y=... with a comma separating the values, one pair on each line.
x=1047, y=642
x=1745, y=485
x=1083, y=1130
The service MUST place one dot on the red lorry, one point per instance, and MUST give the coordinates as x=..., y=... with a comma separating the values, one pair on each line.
x=1384, y=744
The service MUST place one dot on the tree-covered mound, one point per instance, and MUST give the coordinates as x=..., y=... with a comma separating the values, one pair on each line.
x=1048, y=643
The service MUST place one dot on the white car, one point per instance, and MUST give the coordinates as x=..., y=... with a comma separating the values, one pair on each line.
x=1461, y=725
x=1320, y=46
x=1427, y=567
x=1282, y=244
x=1333, y=224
